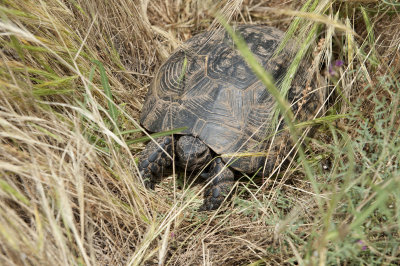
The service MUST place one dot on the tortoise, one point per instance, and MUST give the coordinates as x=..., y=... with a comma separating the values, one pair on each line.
x=207, y=87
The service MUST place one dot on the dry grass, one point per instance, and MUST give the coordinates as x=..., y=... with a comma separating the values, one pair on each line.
x=69, y=188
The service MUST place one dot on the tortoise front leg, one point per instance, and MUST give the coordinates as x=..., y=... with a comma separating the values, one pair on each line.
x=221, y=184
x=154, y=163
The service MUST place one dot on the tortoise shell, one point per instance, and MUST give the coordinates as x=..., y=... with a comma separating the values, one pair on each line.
x=207, y=87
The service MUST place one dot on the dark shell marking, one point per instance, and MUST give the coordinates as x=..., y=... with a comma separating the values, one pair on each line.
x=207, y=87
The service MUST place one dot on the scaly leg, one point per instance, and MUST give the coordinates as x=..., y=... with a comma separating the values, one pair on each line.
x=154, y=163
x=220, y=186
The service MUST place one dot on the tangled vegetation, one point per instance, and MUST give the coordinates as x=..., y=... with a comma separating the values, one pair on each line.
x=73, y=77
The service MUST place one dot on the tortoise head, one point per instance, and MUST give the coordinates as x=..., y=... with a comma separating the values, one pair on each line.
x=192, y=153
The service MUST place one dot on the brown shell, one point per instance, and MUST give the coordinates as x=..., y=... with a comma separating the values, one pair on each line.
x=207, y=87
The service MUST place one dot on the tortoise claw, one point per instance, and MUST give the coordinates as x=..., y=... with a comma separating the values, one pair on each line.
x=220, y=187
x=154, y=162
